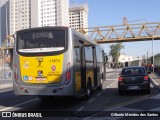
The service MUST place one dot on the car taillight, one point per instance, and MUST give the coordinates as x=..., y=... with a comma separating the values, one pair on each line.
x=15, y=73
x=145, y=77
x=68, y=74
x=120, y=79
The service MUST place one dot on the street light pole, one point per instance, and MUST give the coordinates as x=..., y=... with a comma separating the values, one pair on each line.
x=153, y=52
x=152, y=38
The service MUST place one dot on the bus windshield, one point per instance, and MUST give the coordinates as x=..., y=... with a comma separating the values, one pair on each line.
x=41, y=41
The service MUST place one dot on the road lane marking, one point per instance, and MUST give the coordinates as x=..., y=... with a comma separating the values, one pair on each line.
x=154, y=81
x=7, y=108
x=91, y=100
x=111, y=84
x=6, y=90
x=98, y=94
x=152, y=85
x=115, y=82
x=109, y=74
x=80, y=109
x=128, y=102
x=120, y=105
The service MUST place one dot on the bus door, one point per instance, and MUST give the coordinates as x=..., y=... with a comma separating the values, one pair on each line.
x=104, y=65
x=94, y=66
x=83, y=68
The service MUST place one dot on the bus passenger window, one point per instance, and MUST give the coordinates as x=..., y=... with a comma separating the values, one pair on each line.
x=76, y=49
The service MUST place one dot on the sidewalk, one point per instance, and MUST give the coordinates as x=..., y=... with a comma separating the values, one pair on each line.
x=6, y=83
x=155, y=79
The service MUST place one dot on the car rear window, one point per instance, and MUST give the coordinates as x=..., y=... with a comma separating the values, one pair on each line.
x=131, y=71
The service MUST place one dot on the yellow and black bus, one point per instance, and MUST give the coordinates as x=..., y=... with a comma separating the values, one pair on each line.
x=56, y=61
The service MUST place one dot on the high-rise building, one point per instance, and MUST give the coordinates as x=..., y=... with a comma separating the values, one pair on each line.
x=49, y=13
x=4, y=20
x=38, y=13
x=78, y=16
x=20, y=13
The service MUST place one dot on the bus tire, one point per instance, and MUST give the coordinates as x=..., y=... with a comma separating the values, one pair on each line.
x=88, y=90
x=100, y=87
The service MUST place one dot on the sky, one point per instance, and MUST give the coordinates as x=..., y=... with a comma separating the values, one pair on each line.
x=112, y=12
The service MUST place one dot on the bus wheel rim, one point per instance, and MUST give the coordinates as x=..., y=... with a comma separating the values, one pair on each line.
x=88, y=91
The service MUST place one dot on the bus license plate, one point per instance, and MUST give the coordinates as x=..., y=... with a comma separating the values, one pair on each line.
x=133, y=87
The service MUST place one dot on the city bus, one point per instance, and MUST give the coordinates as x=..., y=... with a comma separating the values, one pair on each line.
x=56, y=61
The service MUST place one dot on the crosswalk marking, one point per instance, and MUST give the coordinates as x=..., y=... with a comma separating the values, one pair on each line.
x=109, y=74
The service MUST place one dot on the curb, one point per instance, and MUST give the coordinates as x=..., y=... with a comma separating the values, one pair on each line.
x=5, y=86
x=156, y=75
x=155, y=83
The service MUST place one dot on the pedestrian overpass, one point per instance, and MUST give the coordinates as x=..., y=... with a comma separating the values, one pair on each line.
x=112, y=34
x=123, y=33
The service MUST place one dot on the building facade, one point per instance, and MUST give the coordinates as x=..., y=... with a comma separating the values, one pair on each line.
x=124, y=58
x=4, y=20
x=49, y=13
x=38, y=13
x=78, y=16
x=19, y=15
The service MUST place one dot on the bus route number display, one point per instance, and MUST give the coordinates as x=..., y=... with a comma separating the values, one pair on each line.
x=39, y=35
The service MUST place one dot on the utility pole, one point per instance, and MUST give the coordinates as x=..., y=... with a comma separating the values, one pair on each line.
x=147, y=57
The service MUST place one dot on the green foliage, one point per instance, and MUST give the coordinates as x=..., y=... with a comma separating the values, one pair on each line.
x=115, y=51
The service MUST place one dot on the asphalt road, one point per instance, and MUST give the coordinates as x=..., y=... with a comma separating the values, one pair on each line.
x=72, y=108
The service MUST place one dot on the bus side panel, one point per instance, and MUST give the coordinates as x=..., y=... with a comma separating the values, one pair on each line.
x=89, y=65
x=77, y=76
x=16, y=73
x=69, y=63
x=99, y=66
x=77, y=65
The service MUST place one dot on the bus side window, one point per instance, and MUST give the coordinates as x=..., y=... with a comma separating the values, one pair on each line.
x=88, y=54
x=101, y=56
x=98, y=55
x=76, y=49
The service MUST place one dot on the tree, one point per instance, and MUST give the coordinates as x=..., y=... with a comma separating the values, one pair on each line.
x=106, y=58
x=115, y=51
